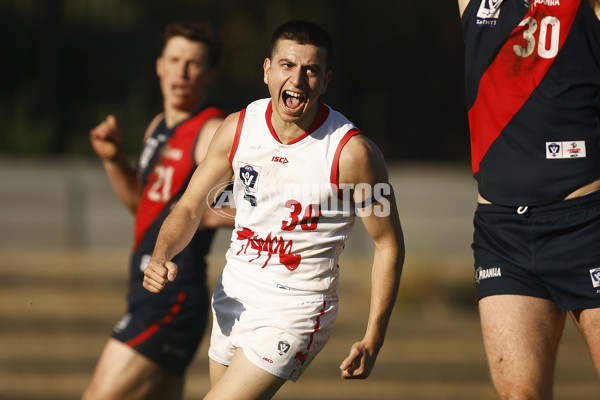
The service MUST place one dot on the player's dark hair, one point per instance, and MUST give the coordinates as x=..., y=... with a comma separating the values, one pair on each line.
x=201, y=32
x=303, y=32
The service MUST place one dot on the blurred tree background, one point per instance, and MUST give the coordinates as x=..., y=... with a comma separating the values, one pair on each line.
x=66, y=64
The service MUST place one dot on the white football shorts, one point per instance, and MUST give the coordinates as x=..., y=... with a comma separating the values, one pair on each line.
x=281, y=338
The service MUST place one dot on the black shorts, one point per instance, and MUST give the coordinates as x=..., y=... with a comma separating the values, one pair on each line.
x=166, y=327
x=551, y=252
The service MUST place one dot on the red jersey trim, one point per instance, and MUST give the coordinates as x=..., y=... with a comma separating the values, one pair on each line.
x=322, y=115
x=335, y=167
x=152, y=329
x=236, y=139
x=506, y=85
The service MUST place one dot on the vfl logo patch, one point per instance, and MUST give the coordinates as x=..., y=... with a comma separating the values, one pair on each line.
x=568, y=149
x=249, y=175
x=150, y=148
x=553, y=150
x=481, y=273
x=488, y=13
x=148, y=152
x=283, y=347
x=595, y=275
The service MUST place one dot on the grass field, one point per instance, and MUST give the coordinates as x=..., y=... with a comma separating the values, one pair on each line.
x=58, y=308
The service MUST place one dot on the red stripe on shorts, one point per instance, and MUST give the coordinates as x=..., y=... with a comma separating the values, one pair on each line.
x=152, y=329
x=318, y=324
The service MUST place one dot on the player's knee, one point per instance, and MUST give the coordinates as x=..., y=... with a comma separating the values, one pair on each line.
x=105, y=390
x=522, y=396
x=523, y=391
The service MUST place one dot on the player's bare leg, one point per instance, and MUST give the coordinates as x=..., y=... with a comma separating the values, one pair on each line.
x=122, y=373
x=521, y=336
x=215, y=371
x=588, y=322
x=242, y=380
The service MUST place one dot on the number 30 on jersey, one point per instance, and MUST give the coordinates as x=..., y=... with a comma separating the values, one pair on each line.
x=545, y=41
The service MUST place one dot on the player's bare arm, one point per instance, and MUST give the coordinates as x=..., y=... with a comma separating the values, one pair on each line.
x=183, y=221
x=205, y=137
x=210, y=219
x=362, y=163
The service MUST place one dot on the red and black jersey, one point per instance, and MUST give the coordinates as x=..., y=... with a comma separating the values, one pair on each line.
x=533, y=95
x=166, y=166
x=167, y=327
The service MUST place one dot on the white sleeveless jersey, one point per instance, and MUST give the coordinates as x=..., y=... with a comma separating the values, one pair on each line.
x=291, y=220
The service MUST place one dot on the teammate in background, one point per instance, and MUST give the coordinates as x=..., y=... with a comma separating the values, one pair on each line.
x=152, y=345
x=533, y=94
x=297, y=164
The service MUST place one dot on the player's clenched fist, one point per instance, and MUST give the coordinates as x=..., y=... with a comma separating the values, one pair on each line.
x=158, y=273
x=107, y=139
x=359, y=363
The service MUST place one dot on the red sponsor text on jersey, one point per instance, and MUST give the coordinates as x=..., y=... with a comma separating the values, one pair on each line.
x=271, y=245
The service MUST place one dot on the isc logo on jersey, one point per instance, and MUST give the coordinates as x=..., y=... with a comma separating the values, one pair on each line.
x=488, y=12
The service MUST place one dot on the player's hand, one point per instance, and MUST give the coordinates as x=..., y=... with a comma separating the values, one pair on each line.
x=359, y=363
x=158, y=272
x=107, y=139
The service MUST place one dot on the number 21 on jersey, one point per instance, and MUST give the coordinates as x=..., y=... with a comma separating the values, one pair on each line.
x=161, y=188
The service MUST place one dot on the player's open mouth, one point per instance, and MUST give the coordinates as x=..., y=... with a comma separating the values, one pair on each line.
x=292, y=101
x=179, y=89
